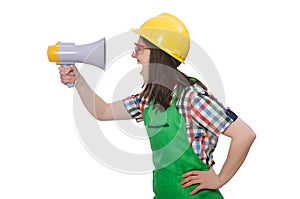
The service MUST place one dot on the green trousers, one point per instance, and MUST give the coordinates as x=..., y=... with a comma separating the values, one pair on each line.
x=172, y=155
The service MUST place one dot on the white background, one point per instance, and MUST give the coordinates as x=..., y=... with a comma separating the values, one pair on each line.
x=254, y=45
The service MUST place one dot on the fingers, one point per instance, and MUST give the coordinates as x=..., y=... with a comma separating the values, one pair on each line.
x=68, y=74
x=191, y=178
x=205, y=180
x=70, y=78
x=193, y=172
x=65, y=70
x=197, y=189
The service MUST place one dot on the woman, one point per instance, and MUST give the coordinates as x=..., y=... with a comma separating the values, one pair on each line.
x=183, y=120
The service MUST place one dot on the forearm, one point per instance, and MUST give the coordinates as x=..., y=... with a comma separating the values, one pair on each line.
x=93, y=103
x=240, y=144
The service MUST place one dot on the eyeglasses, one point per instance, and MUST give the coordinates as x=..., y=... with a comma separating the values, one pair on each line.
x=139, y=48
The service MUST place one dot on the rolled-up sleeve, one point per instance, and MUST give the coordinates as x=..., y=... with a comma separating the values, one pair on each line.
x=132, y=105
x=209, y=114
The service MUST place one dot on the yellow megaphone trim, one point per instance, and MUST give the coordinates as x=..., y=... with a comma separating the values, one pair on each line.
x=53, y=53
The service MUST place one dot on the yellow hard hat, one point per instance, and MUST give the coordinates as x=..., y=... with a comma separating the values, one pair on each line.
x=168, y=33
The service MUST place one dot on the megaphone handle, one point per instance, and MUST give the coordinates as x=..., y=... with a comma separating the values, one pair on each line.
x=70, y=85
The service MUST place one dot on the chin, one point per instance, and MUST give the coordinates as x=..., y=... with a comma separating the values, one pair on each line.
x=145, y=80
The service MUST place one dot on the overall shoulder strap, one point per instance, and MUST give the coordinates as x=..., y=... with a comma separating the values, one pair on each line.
x=177, y=92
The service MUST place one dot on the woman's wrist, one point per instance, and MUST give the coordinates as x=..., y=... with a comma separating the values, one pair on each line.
x=79, y=80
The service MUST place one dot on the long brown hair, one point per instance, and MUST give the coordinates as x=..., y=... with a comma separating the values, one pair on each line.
x=163, y=75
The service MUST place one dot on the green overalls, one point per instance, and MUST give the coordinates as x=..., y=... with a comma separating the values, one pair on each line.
x=172, y=154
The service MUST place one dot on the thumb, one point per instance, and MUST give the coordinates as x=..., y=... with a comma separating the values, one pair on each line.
x=71, y=68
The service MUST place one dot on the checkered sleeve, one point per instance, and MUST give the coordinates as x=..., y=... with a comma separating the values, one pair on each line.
x=208, y=113
x=132, y=105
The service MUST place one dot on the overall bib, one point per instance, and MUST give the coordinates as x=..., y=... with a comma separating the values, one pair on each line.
x=172, y=155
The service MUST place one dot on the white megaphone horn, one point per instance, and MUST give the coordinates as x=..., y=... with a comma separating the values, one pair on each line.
x=67, y=54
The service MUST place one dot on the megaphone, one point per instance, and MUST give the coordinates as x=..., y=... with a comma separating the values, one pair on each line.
x=67, y=54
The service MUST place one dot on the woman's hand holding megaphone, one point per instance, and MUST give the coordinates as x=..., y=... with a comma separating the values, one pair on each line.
x=69, y=75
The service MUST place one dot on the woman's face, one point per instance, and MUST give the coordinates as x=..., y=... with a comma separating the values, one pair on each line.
x=142, y=55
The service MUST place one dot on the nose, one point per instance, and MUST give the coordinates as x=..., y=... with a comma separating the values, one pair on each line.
x=133, y=55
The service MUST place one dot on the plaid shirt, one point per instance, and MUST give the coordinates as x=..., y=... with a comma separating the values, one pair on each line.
x=205, y=118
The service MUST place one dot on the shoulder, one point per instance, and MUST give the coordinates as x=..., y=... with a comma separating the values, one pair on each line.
x=193, y=92
x=195, y=98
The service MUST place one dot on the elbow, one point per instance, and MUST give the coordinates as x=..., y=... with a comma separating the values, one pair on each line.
x=251, y=136
x=248, y=134
x=99, y=116
x=103, y=114
x=244, y=138
x=96, y=116
x=241, y=133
